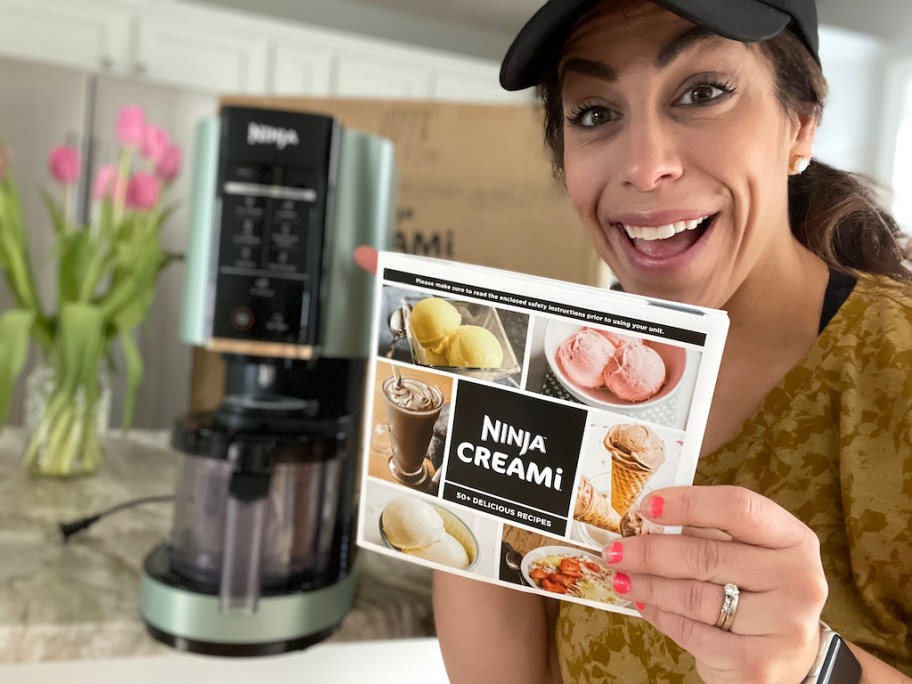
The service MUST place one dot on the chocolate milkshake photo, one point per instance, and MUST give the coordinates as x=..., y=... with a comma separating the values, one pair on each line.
x=411, y=409
x=622, y=462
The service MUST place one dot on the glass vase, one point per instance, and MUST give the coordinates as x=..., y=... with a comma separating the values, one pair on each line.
x=65, y=427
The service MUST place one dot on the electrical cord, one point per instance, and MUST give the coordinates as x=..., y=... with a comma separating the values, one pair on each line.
x=68, y=529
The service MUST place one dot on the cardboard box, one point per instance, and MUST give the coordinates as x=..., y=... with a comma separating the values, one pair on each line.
x=475, y=186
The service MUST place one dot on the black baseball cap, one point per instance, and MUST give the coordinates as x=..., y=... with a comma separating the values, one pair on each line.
x=539, y=43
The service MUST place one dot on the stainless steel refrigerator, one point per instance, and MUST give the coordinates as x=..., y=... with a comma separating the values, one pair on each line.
x=43, y=106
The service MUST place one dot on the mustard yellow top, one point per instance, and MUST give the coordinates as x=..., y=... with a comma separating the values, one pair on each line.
x=832, y=443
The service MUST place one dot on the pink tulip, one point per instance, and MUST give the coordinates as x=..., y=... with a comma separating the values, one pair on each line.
x=64, y=163
x=142, y=191
x=155, y=143
x=131, y=126
x=105, y=185
x=169, y=165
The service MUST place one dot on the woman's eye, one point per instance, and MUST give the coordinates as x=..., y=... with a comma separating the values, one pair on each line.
x=590, y=117
x=702, y=94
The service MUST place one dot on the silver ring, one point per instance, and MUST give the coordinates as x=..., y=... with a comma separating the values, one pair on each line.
x=729, y=606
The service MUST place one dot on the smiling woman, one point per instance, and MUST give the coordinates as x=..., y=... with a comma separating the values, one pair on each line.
x=684, y=133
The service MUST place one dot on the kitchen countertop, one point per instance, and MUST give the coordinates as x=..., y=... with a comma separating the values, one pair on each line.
x=403, y=661
x=79, y=600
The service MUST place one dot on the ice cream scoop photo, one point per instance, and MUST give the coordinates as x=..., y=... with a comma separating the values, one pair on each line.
x=432, y=321
x=471, y=346
x=459, y=336
x=583, y=357
x=424, y=530
x=608, y=369
x=445, y=338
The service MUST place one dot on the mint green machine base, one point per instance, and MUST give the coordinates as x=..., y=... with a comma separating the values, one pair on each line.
x=191, y=621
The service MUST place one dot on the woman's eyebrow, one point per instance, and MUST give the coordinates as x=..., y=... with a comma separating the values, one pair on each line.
x=588, y=67
x=669, y=52
x=673, y=48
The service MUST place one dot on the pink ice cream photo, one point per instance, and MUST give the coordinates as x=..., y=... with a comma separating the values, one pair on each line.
x=625, y=366
x=635, y=372
x=583, y=358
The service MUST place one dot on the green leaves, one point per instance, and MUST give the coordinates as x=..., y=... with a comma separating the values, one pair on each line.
x=15, y=329
x=75, y=256
x=80, y=347
x=134, y=376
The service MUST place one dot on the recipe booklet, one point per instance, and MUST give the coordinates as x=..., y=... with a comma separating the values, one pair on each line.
x=515, y=423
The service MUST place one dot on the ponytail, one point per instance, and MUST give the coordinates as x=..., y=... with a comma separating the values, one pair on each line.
x=836, y=215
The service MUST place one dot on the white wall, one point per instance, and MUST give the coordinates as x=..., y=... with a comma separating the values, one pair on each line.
x=853, y=65
x=867, y=122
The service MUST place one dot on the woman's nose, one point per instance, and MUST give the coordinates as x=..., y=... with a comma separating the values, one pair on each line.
x=649, y=155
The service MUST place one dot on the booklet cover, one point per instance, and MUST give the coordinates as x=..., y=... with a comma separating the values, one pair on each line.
x=514, y=423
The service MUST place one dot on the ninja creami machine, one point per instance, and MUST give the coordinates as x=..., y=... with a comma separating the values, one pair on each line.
x=259, y=559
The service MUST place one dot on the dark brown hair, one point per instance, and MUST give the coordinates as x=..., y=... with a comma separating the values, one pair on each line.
x=833, y=213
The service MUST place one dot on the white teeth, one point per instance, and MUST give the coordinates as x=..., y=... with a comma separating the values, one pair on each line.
x=662, y=232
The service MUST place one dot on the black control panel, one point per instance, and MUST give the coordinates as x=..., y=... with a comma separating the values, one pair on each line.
x=275, y=180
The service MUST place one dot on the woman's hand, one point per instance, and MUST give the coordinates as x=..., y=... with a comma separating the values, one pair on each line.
x=772, y=557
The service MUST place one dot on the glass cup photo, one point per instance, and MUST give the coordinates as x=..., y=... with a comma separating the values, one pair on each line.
x=412, y=407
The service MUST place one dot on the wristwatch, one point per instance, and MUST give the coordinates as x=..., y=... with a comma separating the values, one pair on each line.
x=835, y=663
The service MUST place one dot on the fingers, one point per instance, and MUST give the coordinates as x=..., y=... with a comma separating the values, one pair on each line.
x=699, y=601
x=707, y=560
x=705, y=533
x=745, y=515
x=366, y=257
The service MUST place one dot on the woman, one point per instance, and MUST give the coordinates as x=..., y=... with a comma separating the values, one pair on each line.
x=684, y=137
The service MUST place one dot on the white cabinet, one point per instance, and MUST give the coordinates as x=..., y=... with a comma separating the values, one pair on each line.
x=201, y=49
x=93, y=36
x=379, y=76
x=474, y=83
x=301, y=68
x=229, y=51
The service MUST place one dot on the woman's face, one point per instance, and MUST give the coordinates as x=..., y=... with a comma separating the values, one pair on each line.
x=676, y=153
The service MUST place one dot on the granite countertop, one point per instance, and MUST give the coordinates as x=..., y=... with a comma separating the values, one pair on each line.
x=80, y=599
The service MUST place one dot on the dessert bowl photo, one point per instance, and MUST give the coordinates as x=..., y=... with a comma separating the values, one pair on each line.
x=458, y=337
x=570, y=572
x=606, y=369
x=424, y=530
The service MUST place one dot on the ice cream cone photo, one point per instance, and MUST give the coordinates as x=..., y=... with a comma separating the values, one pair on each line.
x=594, y=508
x=621, y=462
x=636, y=452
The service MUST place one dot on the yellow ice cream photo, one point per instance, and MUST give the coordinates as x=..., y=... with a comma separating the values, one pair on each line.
x=432, y=320
x=472, y=346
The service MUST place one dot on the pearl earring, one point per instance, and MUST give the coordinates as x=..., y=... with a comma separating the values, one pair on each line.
x=799, y=164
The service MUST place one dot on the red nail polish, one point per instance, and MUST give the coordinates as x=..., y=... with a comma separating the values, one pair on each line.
x=621, y=582
x=614, y=553
x=639, y=606
x=655, y=505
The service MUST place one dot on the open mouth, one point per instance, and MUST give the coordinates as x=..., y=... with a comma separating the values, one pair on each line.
x=663, y=242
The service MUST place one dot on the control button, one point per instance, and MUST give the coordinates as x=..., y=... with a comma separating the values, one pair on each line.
x=248, y=173
x=277, y=324
x=241, y=318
